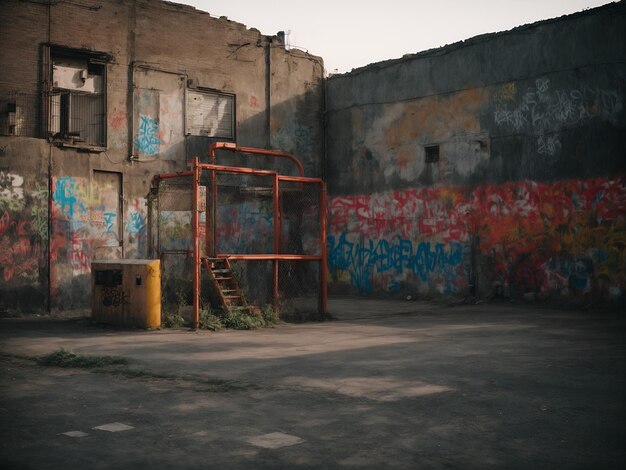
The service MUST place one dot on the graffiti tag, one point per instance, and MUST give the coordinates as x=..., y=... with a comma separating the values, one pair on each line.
x=148, y=141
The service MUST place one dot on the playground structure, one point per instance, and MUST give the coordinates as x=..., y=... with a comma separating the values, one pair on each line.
x=257, y=235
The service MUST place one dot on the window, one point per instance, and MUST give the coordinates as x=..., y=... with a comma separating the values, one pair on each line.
x=210, y=114
x=76, y=99
x=432, y=153
x=11, y=118
x=18, y=113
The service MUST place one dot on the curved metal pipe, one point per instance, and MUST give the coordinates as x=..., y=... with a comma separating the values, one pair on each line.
x=271, y=153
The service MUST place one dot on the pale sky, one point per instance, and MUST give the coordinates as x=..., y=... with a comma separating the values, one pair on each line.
x=352, y=33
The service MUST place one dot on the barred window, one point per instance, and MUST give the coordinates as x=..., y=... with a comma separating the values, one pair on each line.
x=76, y=99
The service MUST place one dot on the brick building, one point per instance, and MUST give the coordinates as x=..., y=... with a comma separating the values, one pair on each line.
x=98, y=96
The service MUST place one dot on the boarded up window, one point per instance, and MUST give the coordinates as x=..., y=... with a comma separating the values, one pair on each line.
x=210, y=114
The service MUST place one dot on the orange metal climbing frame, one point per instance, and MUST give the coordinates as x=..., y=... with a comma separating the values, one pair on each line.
x=211, y=232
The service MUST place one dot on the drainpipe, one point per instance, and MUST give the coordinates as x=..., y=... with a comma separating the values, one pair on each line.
x=324, y=126
x=130, y=92
x=49, y=230
x=45, y=119
x=268, y=83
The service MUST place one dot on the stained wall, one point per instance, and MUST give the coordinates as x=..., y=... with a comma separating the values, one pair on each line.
x=526, y=197
x=62, y=206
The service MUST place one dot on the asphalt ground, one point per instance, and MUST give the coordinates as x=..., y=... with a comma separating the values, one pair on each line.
x=389, y=384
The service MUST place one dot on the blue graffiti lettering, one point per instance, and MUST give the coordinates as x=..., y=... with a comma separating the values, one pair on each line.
x=363, y=259
x=65, y=197
x=109, y=220
x=148, y=141
x=136, y=223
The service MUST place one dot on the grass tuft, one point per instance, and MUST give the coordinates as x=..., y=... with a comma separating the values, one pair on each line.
x=65, y=358
x=209, y=320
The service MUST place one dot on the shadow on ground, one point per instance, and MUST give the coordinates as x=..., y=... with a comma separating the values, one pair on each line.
x=388, y=384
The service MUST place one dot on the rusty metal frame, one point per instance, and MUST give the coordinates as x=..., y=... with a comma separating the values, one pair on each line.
x=211, y=235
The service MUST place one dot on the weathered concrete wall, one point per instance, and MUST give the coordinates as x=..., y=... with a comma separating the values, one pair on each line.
x=527, y=196
x=60, y=206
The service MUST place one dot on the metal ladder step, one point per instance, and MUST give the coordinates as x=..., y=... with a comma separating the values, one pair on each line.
x=225, y=283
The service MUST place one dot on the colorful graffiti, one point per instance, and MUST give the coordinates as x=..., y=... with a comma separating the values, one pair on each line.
x=86, y=225
x=148, y=141
x=70, y=226
x=556, y=239
x=136, y=230
x=22, y=236
x=413, y=239
x=158, y=100
x=245, y=227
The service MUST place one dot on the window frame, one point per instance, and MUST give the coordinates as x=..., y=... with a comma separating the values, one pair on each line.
x=208, y=92
x=55, y=53
x=432, y=153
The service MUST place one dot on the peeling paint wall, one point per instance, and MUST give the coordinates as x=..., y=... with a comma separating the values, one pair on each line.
x=158, y=122
x=64, y=204
x=526, y=197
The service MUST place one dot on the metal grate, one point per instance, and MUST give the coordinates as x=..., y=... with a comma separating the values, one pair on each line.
x=170, y=233
x=78, y=117
x=244, y=218
x=268, y=226
x=18, y=114
x=300, y=218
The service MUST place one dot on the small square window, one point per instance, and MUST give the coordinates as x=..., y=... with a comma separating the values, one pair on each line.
x=432, y=153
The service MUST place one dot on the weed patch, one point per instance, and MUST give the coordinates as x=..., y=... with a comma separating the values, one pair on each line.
x=236, y=319
x=270, y=317
x=65, y=358
x=173, y=318
x=209, y=320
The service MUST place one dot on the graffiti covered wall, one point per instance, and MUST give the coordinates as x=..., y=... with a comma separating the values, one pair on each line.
x=400, y=240
x=23, y=238
x=158, y=115
x=483, y=167
x=85, y=226
x=563, y=239
x=65, y=202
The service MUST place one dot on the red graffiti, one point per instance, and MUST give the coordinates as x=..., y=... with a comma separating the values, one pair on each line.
x=538, y=236
x=57, y=244
x=5, y=222
x=117, y=120
x=80, y=252
x=19, y=258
